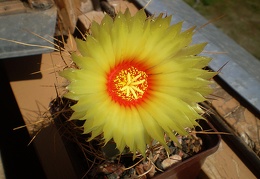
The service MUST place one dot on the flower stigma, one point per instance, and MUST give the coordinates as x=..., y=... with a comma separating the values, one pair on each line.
x=129, y=84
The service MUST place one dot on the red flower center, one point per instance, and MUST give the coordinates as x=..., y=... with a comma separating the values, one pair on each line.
x=127, y=84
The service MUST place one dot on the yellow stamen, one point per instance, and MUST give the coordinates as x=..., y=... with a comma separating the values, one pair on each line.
x=131, y=84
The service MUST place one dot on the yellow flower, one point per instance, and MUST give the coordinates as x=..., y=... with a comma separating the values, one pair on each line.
x=138, y=79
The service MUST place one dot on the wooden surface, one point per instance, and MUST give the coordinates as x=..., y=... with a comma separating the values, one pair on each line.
x=225, y=164
x=11, y=7
x=68, y=13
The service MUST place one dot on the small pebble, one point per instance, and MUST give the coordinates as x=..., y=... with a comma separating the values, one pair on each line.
x=170, y=161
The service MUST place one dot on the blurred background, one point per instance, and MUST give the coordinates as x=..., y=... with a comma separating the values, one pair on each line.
x=240, y=20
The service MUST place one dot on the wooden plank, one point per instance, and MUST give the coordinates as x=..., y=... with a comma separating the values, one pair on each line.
x=84, y=20
x=41, y=4
x=225, y=164
x=11, y=7
x=68, y=11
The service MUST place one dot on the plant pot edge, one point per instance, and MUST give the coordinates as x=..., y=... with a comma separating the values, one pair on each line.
x=191, y=167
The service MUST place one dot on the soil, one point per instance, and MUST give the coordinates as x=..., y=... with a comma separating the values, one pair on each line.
x=241, y=20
